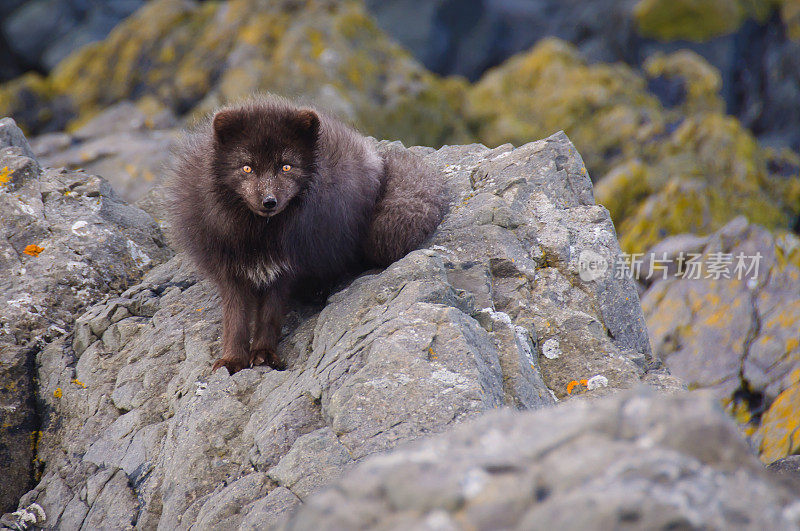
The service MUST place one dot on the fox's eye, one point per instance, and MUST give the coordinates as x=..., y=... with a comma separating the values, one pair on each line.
x=287, y=167
x=247, y=169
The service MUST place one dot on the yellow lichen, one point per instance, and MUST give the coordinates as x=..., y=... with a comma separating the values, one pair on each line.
x=780, y=427
x=5, y=175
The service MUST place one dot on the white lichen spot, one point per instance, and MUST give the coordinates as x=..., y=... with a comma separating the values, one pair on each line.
x=26, y=208
x=79, y=228
x=445, y=250
x=139, y=256
x=450, y=378
x=551, y=349
x=502, y=155
x=201, y=388
x=596, y=382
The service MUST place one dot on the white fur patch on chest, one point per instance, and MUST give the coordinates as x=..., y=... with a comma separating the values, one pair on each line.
x=264, y=273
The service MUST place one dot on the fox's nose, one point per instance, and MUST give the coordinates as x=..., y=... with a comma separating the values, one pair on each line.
x=270, y=202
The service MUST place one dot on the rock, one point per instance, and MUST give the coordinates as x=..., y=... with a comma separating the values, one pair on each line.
x=779, y=432
x=11, y=136
x=66, y=240
x=466, y=39
x=68, y=25
x=654, y=134
x=736, y=336
x=632, y=460
x=128, y=145
x=788, y=466
x=440, y=337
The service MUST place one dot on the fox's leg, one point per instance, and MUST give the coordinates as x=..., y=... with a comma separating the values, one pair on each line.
x=267, y=329
x=237, y=308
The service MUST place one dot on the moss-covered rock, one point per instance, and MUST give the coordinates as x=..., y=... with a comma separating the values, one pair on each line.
x=659, y=170
x=193, y=57
x=624, y=188
x=696, y=20
x=605, y=109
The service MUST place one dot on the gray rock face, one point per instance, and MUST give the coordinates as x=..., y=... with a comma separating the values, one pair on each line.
x=123, y=144
x=492, y=313
x=65, y=242
x=631, y=461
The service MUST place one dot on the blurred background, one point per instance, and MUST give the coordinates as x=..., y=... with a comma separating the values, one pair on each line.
x=687, y=112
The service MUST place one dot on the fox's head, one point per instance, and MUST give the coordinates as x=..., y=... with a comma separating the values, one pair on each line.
x=265, y=154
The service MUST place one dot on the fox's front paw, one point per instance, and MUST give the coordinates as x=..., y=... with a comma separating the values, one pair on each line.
x=233, y=366
x=270, y=357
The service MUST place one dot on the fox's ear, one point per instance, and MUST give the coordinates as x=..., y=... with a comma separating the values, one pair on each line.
x=227, y=125
x=307, y=123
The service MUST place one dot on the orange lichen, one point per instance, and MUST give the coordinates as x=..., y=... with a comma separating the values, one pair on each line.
x=79, y=383
x=575, y=383
x=33, y=250
x=58, y=393
x=432, y=354
x=5, y=175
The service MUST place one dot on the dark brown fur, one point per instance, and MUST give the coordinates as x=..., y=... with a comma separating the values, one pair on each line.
x=339, y=208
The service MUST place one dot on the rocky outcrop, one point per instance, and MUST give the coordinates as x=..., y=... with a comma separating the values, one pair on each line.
x=725, y=319
x=499, y=310
x=66, y=241
x=634, y=460
x=128, y=144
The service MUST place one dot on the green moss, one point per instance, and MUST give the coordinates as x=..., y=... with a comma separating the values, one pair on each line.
x=694, y=20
